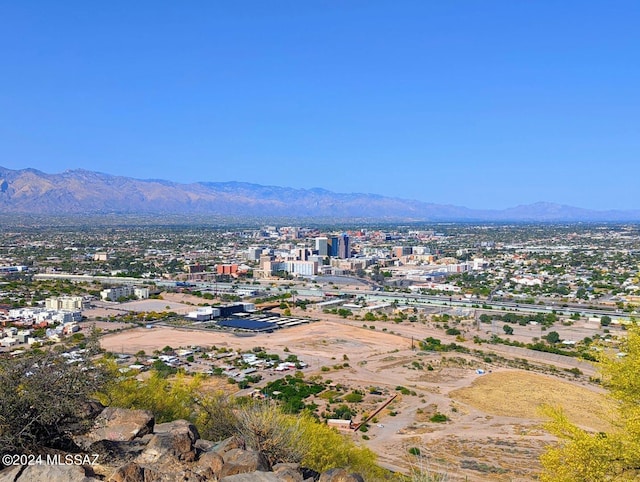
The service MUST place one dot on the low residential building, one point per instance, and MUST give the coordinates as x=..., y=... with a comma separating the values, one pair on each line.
x=126, y=291
x=204, y=314
x=8, y=341
x=340, y=424
x=64, y=303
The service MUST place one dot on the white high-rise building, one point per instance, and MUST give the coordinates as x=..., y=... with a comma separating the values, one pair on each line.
x=322, y=246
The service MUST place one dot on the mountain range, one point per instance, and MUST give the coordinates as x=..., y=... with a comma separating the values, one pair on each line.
x=79, y=191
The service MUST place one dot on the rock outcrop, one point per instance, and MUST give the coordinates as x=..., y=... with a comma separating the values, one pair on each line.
x=118, y=425
x=127, y=446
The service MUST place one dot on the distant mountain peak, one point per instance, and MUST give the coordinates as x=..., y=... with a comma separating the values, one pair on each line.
x=78, y=191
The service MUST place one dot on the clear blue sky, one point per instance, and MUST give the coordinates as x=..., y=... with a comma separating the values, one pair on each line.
x=485, y=104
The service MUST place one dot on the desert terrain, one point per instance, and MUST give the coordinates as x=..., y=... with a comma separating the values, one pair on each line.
x=492, y=428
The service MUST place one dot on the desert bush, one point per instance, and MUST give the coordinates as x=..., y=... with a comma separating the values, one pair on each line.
x=265, y=428
x=169, y=399
x=439, y=418
x=41, y=397
x=216, y=419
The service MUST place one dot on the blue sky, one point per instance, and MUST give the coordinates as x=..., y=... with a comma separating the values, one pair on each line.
x=485, y=104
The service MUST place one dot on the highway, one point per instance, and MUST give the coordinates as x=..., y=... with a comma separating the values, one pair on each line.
x=413, y=299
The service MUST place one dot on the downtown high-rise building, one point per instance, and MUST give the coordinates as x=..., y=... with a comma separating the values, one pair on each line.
x=344, y=250
x=338, y=246
x=322, y=246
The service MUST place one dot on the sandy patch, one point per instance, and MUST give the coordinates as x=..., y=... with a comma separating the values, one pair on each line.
x=519, y=394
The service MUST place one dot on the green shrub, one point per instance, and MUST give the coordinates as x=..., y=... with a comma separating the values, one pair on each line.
x=439, y=418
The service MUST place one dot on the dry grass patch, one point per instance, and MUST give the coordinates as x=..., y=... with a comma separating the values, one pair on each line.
x=423, y=414
x=520, y=394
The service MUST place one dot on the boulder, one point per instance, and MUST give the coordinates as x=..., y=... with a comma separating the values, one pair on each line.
x=118, y=453
x=253, y=477
x=178, y=426
x=238, y=461
x=228, y=444
x=10, y=474
x=172, y=442
x=118, y=425
x=49, y=473
x=288, y=472
x=130, y=472
x=210, y=465
x=339, y=475
x=204, y=445
x=156, y=474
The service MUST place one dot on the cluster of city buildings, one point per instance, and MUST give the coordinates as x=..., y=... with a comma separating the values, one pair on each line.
x=512, y=261
x=59, y=317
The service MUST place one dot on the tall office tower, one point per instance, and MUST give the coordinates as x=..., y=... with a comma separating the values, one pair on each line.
x=333, y=246
x=254, y=252
x=344, y=251
x=265, y=258
x=322, y=246
x=301, y=254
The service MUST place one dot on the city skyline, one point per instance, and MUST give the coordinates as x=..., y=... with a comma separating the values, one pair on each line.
x=485, y=106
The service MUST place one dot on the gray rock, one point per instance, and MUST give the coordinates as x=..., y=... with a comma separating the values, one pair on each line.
x=182, y=426
x=168, y=447
x=228, y=444
x=155, y=474
x=288, y=472
x=204, y=445
x=252, y=477
x=57, y=473
x=10, y=473
x=339, y=475
x=172, y=442
x=288, y=465
x=117, y=453
x=118, y=425
x=238, y=461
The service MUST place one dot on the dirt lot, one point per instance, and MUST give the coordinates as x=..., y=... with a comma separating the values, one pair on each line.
x=493, y=430
x=520, y=394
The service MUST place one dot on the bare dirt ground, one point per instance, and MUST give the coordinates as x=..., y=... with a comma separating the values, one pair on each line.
x=105, y=326
x=493, y=430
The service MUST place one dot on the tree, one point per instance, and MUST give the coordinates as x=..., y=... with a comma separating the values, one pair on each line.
x=605, y=320
x=507, y=329
x=369, y=316
x=584, y=456
x=552, y=337
x=41, y=397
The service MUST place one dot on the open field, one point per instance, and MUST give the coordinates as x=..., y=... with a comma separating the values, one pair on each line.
x=493, y=430
x=520, y=394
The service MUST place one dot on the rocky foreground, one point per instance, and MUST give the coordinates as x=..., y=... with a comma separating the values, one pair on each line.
x=127, y=446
